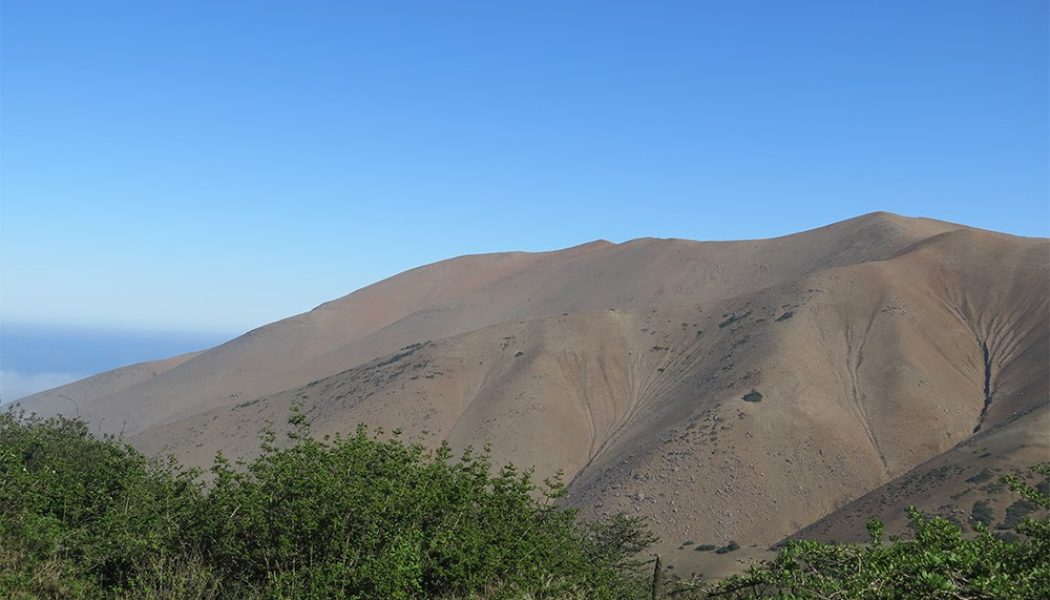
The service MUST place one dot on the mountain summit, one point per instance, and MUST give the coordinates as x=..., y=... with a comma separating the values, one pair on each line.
x=728, y=390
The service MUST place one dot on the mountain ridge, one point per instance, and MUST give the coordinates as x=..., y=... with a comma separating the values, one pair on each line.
x=873, y=346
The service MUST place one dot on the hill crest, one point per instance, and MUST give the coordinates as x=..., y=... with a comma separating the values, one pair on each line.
x=727, y=390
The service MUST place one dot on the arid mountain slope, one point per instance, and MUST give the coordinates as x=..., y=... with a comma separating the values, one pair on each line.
x=468, y=293
x=68, y=399
x=950, y=484
x=728, y=390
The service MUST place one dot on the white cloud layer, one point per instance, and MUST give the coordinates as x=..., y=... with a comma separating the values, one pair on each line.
x=15, y=385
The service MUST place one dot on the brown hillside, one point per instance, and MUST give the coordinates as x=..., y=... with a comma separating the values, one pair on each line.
x=872, y=346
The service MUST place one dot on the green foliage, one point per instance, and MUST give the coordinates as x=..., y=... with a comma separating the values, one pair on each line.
x=366, y=516
x=79, y=515
x=940, y=562
x=348, y=517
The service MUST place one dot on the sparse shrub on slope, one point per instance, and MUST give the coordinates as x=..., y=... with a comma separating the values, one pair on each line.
x=753, y=396
x=982, y=513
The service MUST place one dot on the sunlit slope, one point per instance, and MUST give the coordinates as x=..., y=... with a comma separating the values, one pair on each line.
x=951, y=484
x=727, y=390
x=468, y=293
x=68, y=399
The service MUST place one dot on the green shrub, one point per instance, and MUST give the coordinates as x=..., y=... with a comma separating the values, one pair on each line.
x=982, y=513
x=753, y=396
x=981, y=476
x=733, y=318
x=940, y=562
x=1016, y=513
x=348, y=517
x=365, y=516
x=82, y=515
x=996, y=487
x=730, y=547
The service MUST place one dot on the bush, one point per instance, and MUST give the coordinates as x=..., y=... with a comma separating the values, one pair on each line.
x=730, y=547
x=940, y=562
x=364, y=516
x=80, y=515
x=733, y=318
x=350, y=517
x=753, y=396
x=982, y=513
x=1016, y=513
x=981, y=476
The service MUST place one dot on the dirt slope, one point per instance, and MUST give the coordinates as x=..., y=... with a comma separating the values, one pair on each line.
x=468, y=293
x=727, y=390
x=68, y=399
x=950, y=484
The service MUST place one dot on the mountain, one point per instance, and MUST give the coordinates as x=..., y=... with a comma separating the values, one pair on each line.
x=727, y=390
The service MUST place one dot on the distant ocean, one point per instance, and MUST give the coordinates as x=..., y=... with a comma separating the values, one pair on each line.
x=39, y=357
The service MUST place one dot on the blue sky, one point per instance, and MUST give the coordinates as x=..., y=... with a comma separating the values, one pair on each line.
x=213, y=166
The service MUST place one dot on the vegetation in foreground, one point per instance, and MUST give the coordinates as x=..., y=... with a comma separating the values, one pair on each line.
x=939, y=562
x=349, y=517
x=366, y=517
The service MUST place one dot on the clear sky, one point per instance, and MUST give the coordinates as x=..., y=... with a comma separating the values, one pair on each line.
x=213, y=166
